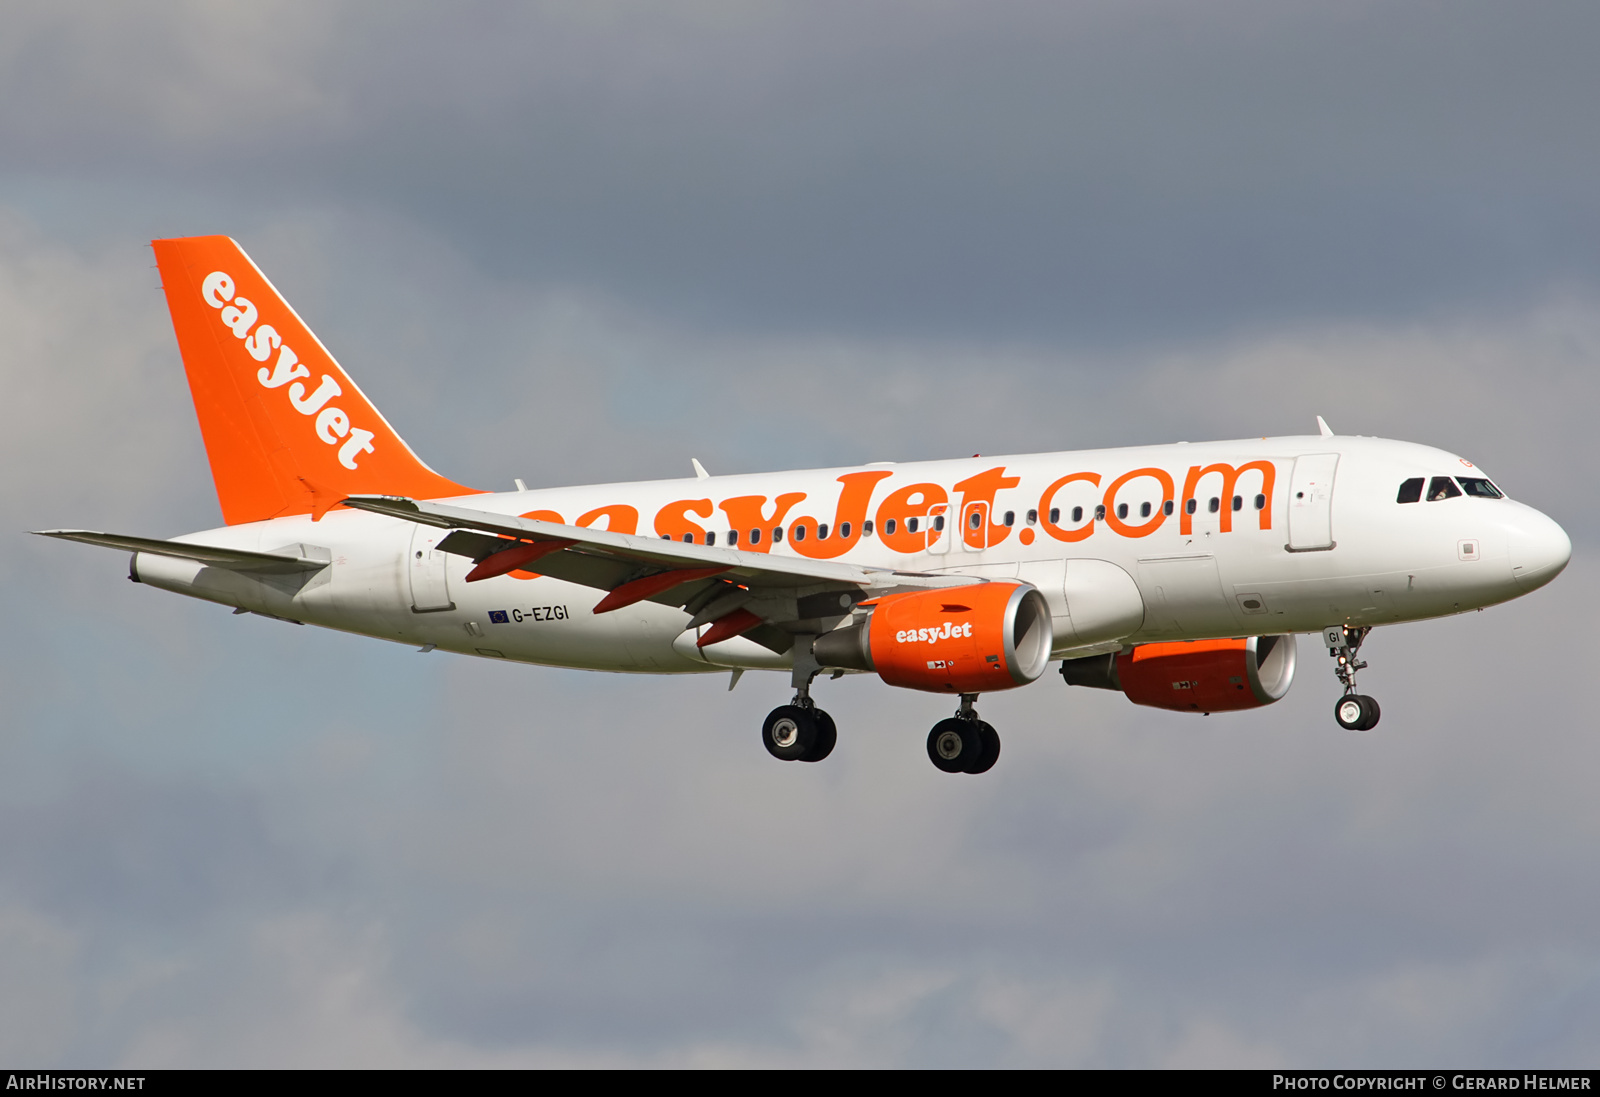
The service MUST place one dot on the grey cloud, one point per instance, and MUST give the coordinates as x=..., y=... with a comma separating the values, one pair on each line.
x=538, y=866
x=1094, y=173
x=164, y=857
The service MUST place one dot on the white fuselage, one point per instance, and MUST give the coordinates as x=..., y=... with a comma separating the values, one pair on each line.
x=1308, y=535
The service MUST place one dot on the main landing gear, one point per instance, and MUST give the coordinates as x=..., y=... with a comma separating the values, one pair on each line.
x=964, y=743
x=1354, y=711
x=800, y=731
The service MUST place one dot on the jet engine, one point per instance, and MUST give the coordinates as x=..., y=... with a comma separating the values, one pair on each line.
x=973, y=639
x=1193, y=676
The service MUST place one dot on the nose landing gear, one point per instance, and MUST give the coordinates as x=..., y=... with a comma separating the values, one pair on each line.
x=1354, y=711
x=963, y=743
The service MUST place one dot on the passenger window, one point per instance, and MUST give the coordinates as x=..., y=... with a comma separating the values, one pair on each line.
x=733, y=537
x=1189, y=506
x=711, y=537
x=1442, y=487
x=777, y=534
x=1144, y=510
x=1033, y=517
x=888, y=527
x=1261, y=502
x=1410, y=491
x=1122, y=510
x=976, y=520
x=1011, y=517
x=1479, y=488
x=1055, y=514
x=755, y=537
x=1077, y=514
x=688, y=538
x=1100, y=513
x=1166, y=507
x=938, y=522
x=798, y=533
x=844, y=530
x=911, y=525
x=822, y=531
x=866, y=528
x=1238, y=502
x=1215, y=505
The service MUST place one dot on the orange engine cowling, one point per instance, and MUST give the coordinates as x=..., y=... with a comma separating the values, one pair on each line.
x=1194, y=676
x=973, y=639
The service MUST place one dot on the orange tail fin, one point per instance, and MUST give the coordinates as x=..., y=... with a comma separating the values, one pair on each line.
x=286, y=430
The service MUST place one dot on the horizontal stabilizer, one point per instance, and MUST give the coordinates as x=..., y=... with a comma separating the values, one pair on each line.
x=301, y=558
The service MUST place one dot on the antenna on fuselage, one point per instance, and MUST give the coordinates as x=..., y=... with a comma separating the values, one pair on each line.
x=1323, y=428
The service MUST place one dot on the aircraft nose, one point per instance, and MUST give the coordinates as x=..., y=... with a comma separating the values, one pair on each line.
x=1539, y=549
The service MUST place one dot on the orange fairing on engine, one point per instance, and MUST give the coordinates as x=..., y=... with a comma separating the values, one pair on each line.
x=973, y=639
x=1208, y=675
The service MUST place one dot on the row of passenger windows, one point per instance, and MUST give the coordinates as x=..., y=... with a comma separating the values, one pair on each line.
x=1443, y=487
x=796, y=533
x=975, y=519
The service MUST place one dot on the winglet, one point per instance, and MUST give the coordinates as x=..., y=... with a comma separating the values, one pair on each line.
x=1323, y=428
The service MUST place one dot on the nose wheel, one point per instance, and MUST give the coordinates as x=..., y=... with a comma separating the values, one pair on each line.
x=963, y=743
x=1354, y=711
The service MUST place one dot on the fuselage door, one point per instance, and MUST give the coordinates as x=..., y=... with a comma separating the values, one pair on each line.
x=430, y=591
x=1311, y=502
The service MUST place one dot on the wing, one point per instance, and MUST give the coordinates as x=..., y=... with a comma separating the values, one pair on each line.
x=767, y=598
x=293, y=558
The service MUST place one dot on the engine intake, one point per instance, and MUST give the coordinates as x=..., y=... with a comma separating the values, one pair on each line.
x=1193, y=676
x=973, y=639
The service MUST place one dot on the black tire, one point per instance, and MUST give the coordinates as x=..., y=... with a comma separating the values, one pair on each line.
x=990, y=754
x=1356, y=712
x=789, y=733
x=1370, y=721
x=827, y=736
x=954, y=745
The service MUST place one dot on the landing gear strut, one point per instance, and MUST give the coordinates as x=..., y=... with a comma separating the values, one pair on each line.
x=800, y=731
x=964, y=743
x=1354, y=711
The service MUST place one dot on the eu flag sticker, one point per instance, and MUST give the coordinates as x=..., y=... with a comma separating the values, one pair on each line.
x=498, y=617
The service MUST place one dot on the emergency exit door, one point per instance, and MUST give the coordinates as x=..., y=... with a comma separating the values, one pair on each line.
x=1311, y=502
x=430, y=591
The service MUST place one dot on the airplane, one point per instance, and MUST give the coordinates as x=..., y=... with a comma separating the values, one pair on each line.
x=1179, y=575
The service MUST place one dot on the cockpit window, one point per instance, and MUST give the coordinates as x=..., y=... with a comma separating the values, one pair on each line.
x=1410, y=491
x=1475, y=485
x=1442, y=487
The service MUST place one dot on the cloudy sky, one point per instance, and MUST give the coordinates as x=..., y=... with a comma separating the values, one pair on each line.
x=587, y=241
